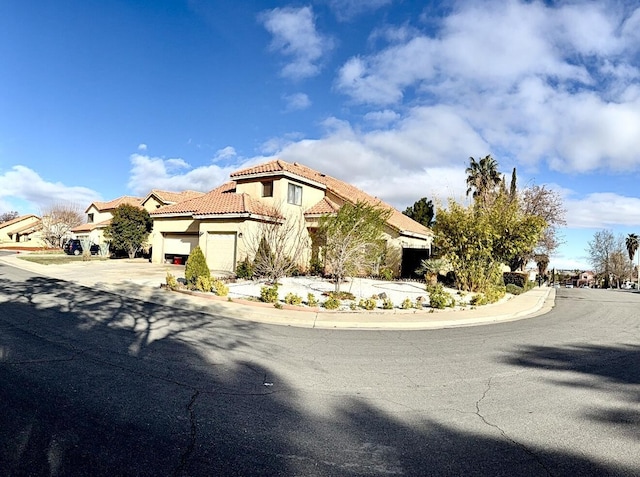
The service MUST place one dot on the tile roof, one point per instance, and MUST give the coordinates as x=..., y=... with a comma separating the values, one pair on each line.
x=220, y=201
x=224, y=200
x=88, y=227
x=169, y=197
x=30, y=228
x=341, y=189
x=16, y=220
x=112, y=204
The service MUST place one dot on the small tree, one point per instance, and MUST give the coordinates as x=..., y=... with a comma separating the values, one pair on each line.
x=57, y=222
x=421, y=211
x=278, y=243
x=196, y=266
x=129, y=228
x=352, y=237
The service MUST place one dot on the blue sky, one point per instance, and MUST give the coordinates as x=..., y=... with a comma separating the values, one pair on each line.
x=100, y=99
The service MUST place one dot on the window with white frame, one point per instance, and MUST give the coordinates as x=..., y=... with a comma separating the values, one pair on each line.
x=294, y=194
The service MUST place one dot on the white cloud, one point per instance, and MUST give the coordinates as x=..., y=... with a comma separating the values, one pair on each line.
x=602, y=210
x=24, y=184
x=142, y=147
x=381, y=118
x=297, y=101
x=295, y=37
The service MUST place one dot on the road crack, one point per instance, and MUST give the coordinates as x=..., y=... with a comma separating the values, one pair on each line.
x=521, y=446
x=192, y=436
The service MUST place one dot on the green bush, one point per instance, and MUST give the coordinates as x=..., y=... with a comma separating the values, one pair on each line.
x=438, y=297
x=172, y=282
x=478, y=300
x=244, y=269
x=419, y=303
x=406, y=304
x=204, y=284
x=269, y=294
x=368, y=303
x=315, y=267
x=331, y=303
x=353, y=306
x=516, y=278
x=195, y=267
x=293, y=299
x=495, y=293
x=387, y=304
x=386, y=274
x=342, y=295
x=312, y=300
x=220, y=288
x=514, y=289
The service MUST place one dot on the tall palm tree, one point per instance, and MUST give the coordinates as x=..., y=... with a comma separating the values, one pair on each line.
x=482, y=178
x=632, y=242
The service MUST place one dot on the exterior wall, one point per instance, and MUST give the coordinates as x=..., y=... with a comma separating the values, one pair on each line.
x=169, y=225
x=7, y=233
x=98, y=216
x=152, y=203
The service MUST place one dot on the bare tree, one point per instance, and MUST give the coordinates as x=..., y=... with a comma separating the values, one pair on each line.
x=545, y=203
x=7, y=216
x=609, y=256
x=278, y=243
x=57, y=222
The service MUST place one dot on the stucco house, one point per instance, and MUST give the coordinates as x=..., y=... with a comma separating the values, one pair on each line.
x=23, y=229
x=99, y=214
x=223, y=220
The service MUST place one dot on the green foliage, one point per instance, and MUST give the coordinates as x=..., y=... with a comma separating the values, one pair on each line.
x=387, y=304
x=203, y=284
x=478, y=299
x=195, y=267
x=368, y=303
x=269, y=294
x=515, y=278
x=315, y=267
x=353, y=306
x=342, y=295
x=421, y=211
x=514, y=289
x=172, y=282
x=419, y=303
x=312, y=300
x=353, y=238
x=129, y=228
x=406, y=304
x=244, y=269
x=219, y=288
x=483, y=178
x=386, y=274
x=331, y=303
x=293, y=299
x=438, y=297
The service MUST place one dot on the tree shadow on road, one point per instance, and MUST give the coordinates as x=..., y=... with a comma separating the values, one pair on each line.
x=97, y=384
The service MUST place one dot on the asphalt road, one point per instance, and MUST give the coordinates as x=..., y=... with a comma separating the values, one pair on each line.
x=92, y=383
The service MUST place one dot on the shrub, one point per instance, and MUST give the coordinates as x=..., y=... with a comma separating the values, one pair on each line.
x=479, y=299
x=203, y=284
x=244, y=269
x=406, y=304
x=342, y=295
x=269, y=294
x=331, y=303
x=516, y=278
x=387, y=304
x=353, y=306
x=172, y=282
x=220, y=288
x=419, y=303
x=495, y=293
x=312, y=300
x=386, y=274
x=195, y=267
x=368, y=303
x=293, y=299
x=315, y=267
x=438, y=297
x=514, y=289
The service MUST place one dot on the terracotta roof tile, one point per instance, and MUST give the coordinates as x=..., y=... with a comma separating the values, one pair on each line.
x=112, y=204
x=16, y=220
x=325, y=206
x=169, y=197
x=88, y=227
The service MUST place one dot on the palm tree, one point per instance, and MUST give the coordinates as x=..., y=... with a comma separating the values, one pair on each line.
x=482, y=178
x=632, y=243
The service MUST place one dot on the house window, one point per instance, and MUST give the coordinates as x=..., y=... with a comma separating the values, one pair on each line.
x=90, y=218
x=294, y=194
x=267, y=189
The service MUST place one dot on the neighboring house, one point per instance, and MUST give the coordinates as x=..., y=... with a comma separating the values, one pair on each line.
x=223, y=220
x=587, y=278
x=26, y=228
x=99, y=215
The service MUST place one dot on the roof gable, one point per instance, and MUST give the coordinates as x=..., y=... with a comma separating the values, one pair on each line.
x=17, y=220
x=112, y=204
x=169, y=197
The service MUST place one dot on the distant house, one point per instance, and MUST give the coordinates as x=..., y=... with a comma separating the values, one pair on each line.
x=99, y=215
x=222, y=221
x=26, y=228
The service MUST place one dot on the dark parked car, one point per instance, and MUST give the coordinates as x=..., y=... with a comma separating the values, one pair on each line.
x=74, y=247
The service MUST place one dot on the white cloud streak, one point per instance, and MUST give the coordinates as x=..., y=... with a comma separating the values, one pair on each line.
x=295, y=37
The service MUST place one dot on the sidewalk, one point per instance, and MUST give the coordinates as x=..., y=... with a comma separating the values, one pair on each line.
x=140, y=279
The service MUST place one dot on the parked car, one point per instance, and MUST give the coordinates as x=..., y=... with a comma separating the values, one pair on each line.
x=74, y=247
x=569, y=285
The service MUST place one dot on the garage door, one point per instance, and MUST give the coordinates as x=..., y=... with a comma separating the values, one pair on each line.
x=180, y=244
x=221, y=252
